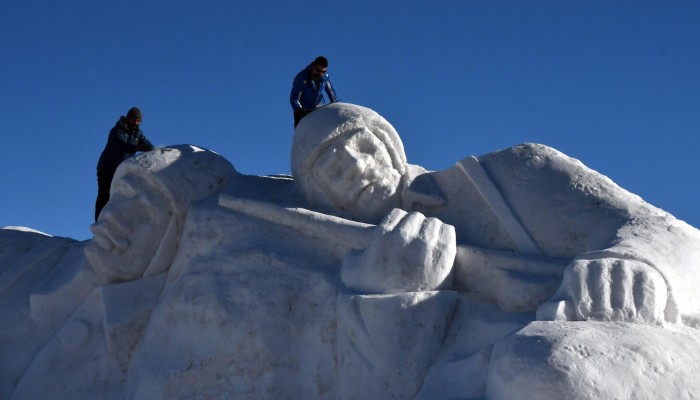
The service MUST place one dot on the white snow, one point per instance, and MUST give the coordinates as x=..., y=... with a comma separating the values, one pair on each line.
x=516, y=274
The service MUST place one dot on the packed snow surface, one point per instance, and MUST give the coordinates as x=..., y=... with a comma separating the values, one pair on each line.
x=520, y=274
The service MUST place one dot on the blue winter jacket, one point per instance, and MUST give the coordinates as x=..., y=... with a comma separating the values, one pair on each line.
x=120, y=145
x=307, y=94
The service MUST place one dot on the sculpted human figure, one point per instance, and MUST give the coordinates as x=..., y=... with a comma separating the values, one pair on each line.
x=87, y=309
x=269, y=291
x=158, y=188
x=349, y=160
x=621, y=258
x=363, y=277
x=256, y=281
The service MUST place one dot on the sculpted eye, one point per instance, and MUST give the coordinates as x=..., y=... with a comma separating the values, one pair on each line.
x=152, y=202
x=327, y=164
x=126, y=187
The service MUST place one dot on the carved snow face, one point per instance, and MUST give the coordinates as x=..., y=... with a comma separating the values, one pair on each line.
x=357, y=174
x=129, y=229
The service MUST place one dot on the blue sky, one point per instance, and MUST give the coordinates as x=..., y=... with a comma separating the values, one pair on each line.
x=615, y=84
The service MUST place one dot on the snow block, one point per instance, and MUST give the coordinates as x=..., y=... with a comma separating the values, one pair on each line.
x=61, y=292
x=458, y=379
x=127, y=307
x=386, y=343
x=596, y=360
x=41, y=257
x=75, y=362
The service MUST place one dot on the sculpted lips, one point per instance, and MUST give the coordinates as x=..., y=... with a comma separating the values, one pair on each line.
x=102, y=230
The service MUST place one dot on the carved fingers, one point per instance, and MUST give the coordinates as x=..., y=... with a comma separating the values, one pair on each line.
x=408, y=252
x=610, y=289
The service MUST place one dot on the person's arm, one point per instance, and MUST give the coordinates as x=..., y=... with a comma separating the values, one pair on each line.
x=143, y=143
x=330, y=90
x=295, y=95
x=118, y=141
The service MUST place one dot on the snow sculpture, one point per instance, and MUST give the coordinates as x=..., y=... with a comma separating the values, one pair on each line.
x=528, y=199
x=258, y=281
x=158, y=188
x=362, y=277
x=83, y=324
x=535, y=214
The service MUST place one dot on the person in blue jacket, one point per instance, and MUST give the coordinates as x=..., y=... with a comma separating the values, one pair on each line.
x=306, y=91
x=124, y=140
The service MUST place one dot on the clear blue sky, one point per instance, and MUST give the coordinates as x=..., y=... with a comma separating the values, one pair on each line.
x=615, y=84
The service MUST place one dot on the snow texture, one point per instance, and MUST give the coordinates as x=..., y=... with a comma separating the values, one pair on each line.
x=516, y=274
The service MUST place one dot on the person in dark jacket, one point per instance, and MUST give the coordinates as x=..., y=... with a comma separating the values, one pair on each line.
x=124, y=140
x=306, y=91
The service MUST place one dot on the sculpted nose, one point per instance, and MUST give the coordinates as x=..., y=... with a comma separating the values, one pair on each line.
x=368, y=165
x=357, y=163
x=356, y=157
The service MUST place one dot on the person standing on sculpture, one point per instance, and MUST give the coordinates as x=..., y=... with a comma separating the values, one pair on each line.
x=308, y=87
x=125, y=139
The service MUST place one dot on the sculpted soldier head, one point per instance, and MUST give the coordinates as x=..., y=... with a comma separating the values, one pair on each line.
x=138, y=231
x=349, y=159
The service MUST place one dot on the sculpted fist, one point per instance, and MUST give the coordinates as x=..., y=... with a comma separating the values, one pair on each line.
x=608, y=289
x=407, y=252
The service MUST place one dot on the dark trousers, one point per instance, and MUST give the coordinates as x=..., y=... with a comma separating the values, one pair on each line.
x=299, y=113
x=104, y=181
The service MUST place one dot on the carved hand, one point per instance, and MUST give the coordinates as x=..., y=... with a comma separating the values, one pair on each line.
x=608, y=289
x=407, y=252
